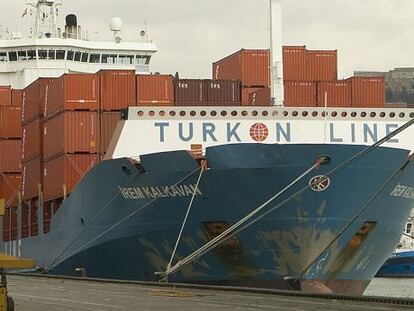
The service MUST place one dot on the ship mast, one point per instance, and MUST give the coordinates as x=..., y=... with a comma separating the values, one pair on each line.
x=276, y=53
x=46, y=17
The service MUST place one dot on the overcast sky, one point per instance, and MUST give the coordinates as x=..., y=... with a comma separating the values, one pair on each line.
x=191, y=34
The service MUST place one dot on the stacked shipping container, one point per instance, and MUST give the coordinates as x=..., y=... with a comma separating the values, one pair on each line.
x=10, y=155
x=70, y=133
x=310, y=79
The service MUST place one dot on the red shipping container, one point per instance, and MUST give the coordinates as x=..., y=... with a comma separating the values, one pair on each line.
x=71, y=132
x=190, y=92
x=249, y=66
x=321, y=66
x=34, y=97
x=10, y=122
x=25, y=221
x=223, y=92
x=10, y=156
x=155, y=90
x=294, y=63
x=6, y=224
x=368, y=92
x=32, y=182
x=117, y=89
x=109, y=122
x=260, y=97
x=17, y=98
x=338, y=94
x=47, y=216
x=72, y=92
x=300, y=94
x=10, y=186
x=246, y=91
x=32, y=145
x=62, y=174
x=5, y=96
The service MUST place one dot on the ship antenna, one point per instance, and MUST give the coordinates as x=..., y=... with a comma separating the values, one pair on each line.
x=276, y=53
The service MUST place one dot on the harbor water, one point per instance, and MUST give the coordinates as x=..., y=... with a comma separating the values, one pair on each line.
x=391, y=287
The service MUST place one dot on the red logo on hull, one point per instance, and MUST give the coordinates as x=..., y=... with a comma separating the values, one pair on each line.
x=259, y=132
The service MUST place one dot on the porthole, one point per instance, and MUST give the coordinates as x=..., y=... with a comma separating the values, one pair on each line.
x=285, y=113
x=213, y=113
x=223, y=113
x=412, y=115
x=275, y=113
x=183, y=113
x=402, y=115
x=244, y=113
x=234, y=113
x=305, y=114
x=193, y=113
x=295, y=113
x=392, y=115
x=373, y=114
x=344, y=114
x=162, y=113
x=140, y=113
x=353, y=114
x=314, y=114
x=382, y=114
x=265, y=113
x=172, y=113
x=255, y=113
x=151, y=113
x=203, y=113
x=363, y=114
x=334, y=114
x=324, y=114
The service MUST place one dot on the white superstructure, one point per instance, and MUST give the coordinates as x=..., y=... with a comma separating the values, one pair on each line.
x=50, y=51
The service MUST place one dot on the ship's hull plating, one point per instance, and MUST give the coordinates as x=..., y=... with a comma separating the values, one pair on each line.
x=122, y=220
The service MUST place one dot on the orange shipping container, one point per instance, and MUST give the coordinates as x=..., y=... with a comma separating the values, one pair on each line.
x=34, y=97
x=246, y=91
x=10, y=186
x=260, y=97
x=338, y=93
x=10, y=226
x=32, y=144
x=32, y=180
x=300, y=94
x=155, y=90
x=117, y=89
x=10, y=122
x=368, y=92
x=17, y=98
x=294, y=63
x=71, y=132
x=72, y=92
x=321, y=66
x=61, y=174
x=10, y=156
x=249, y=66
x=5, y=96
x=109, y=121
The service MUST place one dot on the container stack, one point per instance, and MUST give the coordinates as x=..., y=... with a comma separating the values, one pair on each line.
x=34, y=99
x=10, y=155
x=310, y=79
x=251, y=67
x=70, y=133
x=117, y=92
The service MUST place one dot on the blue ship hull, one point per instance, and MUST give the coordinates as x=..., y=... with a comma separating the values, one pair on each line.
x=123, y=219
x=398, y=265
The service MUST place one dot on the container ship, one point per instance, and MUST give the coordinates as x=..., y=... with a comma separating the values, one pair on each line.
x=109, y=171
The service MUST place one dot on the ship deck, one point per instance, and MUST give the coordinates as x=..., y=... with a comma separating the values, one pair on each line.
x=33, y=293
